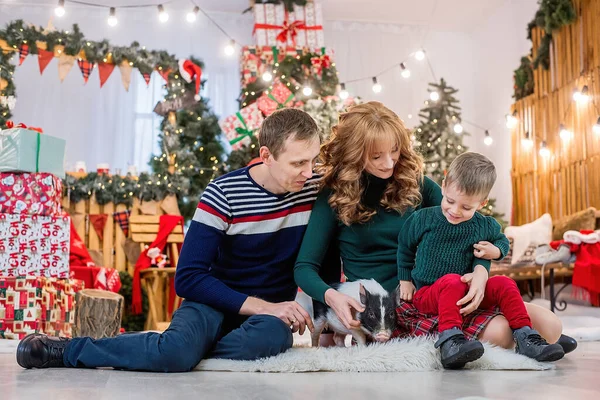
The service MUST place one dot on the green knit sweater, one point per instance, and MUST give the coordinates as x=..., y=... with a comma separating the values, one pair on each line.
x=367, y=250
x=443, y=248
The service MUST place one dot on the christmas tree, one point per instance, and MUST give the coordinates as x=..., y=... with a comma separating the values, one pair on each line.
x=189, y=141
x=439, y=136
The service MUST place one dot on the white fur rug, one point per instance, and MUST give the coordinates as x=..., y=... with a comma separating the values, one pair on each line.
x=415, y=354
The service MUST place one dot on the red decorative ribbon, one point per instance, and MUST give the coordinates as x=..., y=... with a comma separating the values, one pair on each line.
x=288, y=29
x=321, y=62
x=10, y=125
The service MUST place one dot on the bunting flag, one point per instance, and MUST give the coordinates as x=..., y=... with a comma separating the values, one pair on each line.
x=146, y=78
x=98, y=221
x=44, y=58
x=86, y=68
x=126, y=69
x=65, y=63
x=122, y=218
x=23, y=52
x=104, y=71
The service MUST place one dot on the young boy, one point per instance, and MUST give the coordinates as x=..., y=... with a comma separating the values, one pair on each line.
x=436, y=253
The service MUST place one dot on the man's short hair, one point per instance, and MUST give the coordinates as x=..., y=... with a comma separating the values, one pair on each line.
x=473, y=174
x=282, y=124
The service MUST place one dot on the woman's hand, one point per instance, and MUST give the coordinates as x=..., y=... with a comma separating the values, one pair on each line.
x=407, y=290
x=343, y=305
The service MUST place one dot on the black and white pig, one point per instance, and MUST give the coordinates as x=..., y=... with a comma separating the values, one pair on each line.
x=378, y=320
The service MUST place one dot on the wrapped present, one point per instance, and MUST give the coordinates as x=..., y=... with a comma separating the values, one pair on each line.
x=275, y=26
x=34, y=245
x=279, y=97
x=21, y=150
x=34, y=304
x=240, y=127
x=255, y=60
x=32, y=194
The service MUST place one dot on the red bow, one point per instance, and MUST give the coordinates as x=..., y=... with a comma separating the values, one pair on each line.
x=321, y=62
x=288, y=29
x=10, y=125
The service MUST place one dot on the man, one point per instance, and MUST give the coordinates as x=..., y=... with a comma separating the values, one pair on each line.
x=235, y=270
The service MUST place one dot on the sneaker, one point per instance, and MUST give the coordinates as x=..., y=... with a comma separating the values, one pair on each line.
x=456, y=350
x=532, y=345
x=41, y=351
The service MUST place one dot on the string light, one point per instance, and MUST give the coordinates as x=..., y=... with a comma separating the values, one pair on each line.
x=376, y=86
x=405, y=71
x=192, y=15
x=307, y=90
x=526, y=142
x=434, y=96
x=596, y=127
x=544, y=151
x=488, y=139
x=112, y=17
x=267, y=76
x=59, y=11
x=162, y=14
x=582, y=97
x=230, y=48
x=565, y=134
x=458, y=128
x=343, y=92
x=420, y=55
x=511, y=120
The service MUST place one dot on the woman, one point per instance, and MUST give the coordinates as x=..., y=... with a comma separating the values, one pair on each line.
x=372, y=181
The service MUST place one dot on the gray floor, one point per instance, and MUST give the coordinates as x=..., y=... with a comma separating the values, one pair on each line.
x=576, y=377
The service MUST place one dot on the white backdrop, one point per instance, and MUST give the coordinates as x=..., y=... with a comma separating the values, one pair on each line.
x=100, y=125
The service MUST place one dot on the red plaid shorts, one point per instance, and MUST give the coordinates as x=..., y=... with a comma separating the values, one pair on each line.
x=411, y=322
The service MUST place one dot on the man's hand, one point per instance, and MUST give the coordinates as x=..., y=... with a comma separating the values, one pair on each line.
x=290, y=312
x=476, y=281
x=407, y=290
x=486, y=251
x=343, y=305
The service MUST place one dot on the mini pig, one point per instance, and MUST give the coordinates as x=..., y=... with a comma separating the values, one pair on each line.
x=378, y=320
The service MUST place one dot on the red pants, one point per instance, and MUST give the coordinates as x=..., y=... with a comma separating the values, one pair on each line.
x=441, y=298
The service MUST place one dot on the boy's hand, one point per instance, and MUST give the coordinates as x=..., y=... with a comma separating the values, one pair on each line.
x=407, y=290
x=476, y=281
x=486, y=251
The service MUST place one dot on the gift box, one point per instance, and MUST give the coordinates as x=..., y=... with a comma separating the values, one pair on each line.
x=33, y=304
x=34, y=245
x=31, y=194
x=31, y=151
x=275, y=26
x=279, y=97
x=240, y=127
x=256, y=60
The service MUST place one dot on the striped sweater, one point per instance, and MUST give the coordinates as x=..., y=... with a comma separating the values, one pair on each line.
x=243, y=241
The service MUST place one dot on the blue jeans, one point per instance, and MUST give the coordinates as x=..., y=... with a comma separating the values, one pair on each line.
x=196, y=332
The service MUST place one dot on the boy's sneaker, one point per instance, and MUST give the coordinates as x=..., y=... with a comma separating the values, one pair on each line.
x=532, y=345
x=456, y=350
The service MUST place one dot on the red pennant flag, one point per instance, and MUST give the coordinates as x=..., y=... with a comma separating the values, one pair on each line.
x=146, y=78
x=104, y=70
x=44, y=58
x=165, y=74
x=98, y=221
x=23, y=52
x=86, y=68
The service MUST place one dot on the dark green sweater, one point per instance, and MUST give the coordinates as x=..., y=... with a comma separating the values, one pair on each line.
x=367, y=250
x=443, y=248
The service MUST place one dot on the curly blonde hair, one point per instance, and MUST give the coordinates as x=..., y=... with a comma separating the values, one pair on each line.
x=345, y=154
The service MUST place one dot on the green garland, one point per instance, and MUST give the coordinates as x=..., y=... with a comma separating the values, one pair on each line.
x=523, y=79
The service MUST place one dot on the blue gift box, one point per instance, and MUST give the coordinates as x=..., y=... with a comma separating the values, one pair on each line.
x=26, y=150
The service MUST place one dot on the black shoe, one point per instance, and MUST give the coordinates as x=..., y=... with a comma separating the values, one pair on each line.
x=457, y=350
x=567, y=343
x=532, y=345
x=41, y=351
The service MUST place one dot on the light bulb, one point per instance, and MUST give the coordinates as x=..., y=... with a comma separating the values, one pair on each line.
x=192, y=15
x=343, y=92
x=307, y=90
x=162, y=14
x=511, y=120
x=527, y=142
x=582, y=97
x=544, y=151
x=112, y=17
x=488, y=139
x=458, y=128
x=596, y=127
x=230, y=48
x=420, y=55
x=405, y=71
x=59, y=11
x=434, y=96
x=565, y=134
x=267, y=77
x=376, y=86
